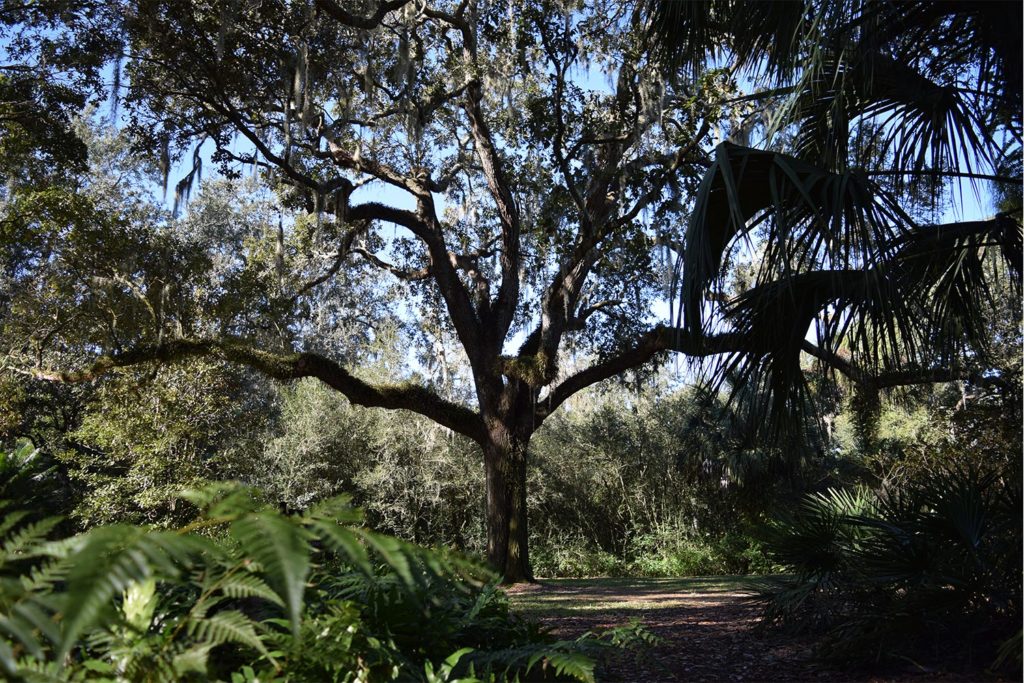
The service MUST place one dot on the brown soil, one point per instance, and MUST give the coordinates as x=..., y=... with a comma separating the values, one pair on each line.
x=708, y=634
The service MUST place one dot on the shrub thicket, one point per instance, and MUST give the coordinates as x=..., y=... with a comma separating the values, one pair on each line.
x=931, y=568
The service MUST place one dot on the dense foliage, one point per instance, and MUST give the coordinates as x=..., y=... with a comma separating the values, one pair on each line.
x=434, y=232
x=247, y=594
x=510, y=189
x=929, y=569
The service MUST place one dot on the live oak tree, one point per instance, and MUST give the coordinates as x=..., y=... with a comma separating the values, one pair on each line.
x=528, y=192
x=518, y=168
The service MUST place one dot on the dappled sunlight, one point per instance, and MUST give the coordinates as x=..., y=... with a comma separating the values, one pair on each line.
x=329, y=326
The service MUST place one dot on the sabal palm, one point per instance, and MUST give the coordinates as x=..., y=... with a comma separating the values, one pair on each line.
x=878, y=100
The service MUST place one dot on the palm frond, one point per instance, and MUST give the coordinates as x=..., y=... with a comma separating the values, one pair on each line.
x=984, y=34
x=926, y=126
x=923, y=305
x=945, y=270
x=808, y=216
x=775, y=319
x=688, y=33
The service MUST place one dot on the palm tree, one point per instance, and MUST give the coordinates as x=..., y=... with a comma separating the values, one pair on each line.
x=873, y=104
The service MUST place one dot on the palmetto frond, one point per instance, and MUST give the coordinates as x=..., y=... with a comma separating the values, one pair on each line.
x=946, y=271
x=774, y=319
x=951, y=32
x=920, y=90
x=925, y=126
x=689, y=32
x=934, y=554
x=915, y=307
x=778, y=39
x=806, y=216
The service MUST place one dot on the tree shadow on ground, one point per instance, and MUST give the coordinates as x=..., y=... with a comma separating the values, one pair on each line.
x=707, y=628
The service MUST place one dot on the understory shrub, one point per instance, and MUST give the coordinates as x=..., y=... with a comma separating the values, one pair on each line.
x=666, y=552
x=670, y=553
x=246, y=594
x=931, y=569
x=573, y=557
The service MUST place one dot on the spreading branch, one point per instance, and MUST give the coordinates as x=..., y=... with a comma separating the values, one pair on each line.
x=282, y=366
x=646, y=347
x=339, y=14
x=400, y=273
x=886, y=380
x=443, y=271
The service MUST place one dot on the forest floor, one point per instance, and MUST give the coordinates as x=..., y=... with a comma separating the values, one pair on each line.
x=707, y=629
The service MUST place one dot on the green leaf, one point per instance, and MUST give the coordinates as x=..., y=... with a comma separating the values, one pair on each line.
x=395, y=553
x=110, y=560
x=249, y=586
x=281, y=547
x=229, y=626
x=575, y=664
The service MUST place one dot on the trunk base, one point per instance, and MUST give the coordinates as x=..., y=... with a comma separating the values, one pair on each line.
x=507, y=535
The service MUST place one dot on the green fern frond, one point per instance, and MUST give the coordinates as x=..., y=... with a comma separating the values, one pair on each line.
x=338, y=509
x=219, y=500
x=45, y=576
x=193, y=660
x=229, y=626
x=22, y=634
x=344, y=542
x=10, y=521
x=249, y=586
x=26, y=542
x=486, y=596
x=8, y=662
x=396, y=554
x=565, y=658
x=111, y=559
x=282, y=549
x=575, y=664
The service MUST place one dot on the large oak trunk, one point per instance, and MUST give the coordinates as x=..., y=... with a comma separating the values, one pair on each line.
x=507, y=534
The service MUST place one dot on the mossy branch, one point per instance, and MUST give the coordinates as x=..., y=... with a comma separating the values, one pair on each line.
x=284, y=366
x=535, y=370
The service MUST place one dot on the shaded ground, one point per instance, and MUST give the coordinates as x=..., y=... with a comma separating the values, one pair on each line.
x=706, y=626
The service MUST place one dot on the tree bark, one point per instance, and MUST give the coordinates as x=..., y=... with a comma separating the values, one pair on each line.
x=507, y=531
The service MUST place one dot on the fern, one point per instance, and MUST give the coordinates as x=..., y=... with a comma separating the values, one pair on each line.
x=338, y=510
x=344, y=542
x=222, y=500
x=27, y=542
x=129, y=603
x=46, y=575
x=483, y=599
x=192, y=660
x=574, y=664
x=229, y=626
x=563, y=657
x=10, y=521
x=113, y=558
x=282, y=550
x=395, y=554
x=249, y=586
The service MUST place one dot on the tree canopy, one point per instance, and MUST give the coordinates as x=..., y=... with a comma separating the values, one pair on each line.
x=514, y=186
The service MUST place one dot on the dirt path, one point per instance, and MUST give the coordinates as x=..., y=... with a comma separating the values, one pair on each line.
x=705, y=625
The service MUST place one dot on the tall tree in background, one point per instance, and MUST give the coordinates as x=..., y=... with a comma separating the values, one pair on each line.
x=518, y=167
